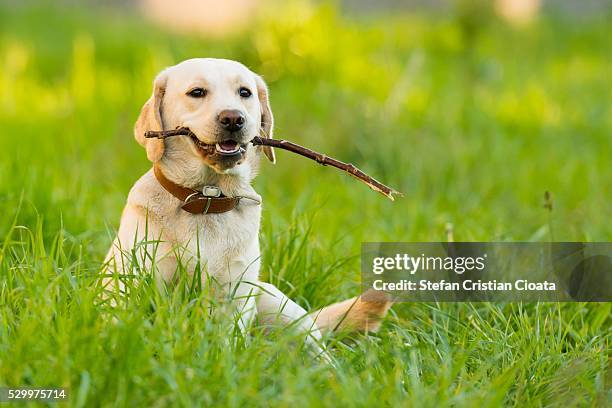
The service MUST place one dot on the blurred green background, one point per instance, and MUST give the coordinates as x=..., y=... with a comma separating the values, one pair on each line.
x=471, y=118
x=472, y=112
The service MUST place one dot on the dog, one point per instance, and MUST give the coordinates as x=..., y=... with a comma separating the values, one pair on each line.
x=197, y=202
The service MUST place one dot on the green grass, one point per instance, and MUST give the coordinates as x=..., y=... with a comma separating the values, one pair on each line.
x=472, y=128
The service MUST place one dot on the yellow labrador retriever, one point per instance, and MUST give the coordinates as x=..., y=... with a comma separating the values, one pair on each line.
x=197, y=202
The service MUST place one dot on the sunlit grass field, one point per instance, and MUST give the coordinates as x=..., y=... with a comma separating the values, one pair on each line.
x=471, y=119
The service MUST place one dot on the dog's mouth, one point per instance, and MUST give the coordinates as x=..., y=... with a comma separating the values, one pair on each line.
x=228, y=147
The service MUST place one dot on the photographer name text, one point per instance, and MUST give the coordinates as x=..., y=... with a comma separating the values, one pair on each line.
x=467, y=285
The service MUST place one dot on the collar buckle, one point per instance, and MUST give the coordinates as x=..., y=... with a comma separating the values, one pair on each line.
x=211, y=191
x=207, y=192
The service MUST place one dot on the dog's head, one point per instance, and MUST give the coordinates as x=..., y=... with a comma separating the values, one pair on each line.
x=223, y=103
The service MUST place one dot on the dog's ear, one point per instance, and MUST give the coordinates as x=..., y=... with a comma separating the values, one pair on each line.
x=267, y=119
x=151, y=119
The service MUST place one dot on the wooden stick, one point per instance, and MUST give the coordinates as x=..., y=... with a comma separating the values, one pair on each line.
x=301, y=150
x=327, y=161
x=162, y=134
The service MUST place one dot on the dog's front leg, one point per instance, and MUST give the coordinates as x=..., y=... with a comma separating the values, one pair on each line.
x=139, y=246
x=242, y=296
x=238, y=278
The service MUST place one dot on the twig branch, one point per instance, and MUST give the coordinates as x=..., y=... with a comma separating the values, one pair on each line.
x=327, y=161
x=303, y=151
x=162, y=134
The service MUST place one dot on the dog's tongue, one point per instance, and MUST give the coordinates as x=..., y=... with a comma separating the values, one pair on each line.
x=228, y=145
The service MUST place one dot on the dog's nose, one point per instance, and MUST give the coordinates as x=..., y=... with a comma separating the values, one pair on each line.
x=231, y=119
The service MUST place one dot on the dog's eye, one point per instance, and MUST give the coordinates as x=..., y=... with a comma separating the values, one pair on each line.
x=244, y=92
x=197, y=93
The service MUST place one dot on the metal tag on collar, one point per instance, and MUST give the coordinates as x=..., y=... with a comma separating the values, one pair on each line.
x=211, y=191
x=208, y=192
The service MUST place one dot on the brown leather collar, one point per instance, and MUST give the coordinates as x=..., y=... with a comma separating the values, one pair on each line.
x=210, y=201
